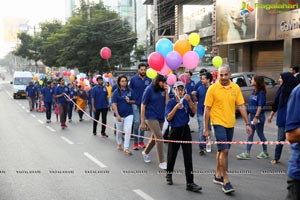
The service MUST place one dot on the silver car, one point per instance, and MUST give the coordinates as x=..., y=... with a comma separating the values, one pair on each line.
x=244, y=81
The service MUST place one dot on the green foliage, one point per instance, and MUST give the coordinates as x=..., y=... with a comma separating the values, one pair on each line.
x=78, y=42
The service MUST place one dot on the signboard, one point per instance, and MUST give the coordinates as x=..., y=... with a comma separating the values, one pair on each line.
x=288, y=24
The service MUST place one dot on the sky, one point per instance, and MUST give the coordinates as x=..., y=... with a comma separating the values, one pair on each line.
x=32, y=11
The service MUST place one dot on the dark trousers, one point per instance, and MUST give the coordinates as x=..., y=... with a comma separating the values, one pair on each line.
x=293, y=187
x=70, y=110
x=63, y=110
x=103, y=112
x=181, y=133
x=48, y=110
x=80, y=113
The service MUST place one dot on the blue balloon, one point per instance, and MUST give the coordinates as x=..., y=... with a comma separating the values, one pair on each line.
x=164, y=46
x=199, y=49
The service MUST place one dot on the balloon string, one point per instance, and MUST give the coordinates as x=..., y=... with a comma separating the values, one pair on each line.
x=108, y=63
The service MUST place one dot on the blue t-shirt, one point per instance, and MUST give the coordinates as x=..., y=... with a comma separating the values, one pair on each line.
x=155, y=103
x=201, y=93
x=293, y=122
x=190, y=87
x=72, y=94
x=181, y=117
x=99, y=94
x=197, y=85
x=47, y=94
x=138, y=85
x=59, y=90
x=118, y=97
x=257, y=100
x=31, y=90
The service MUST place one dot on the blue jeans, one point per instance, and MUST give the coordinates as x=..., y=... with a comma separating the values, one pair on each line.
x=200, y=131
x=280, y=137
x=90, y=109
x=259, y=127
x=136, y=123
x=70, y=110
x=48, y=110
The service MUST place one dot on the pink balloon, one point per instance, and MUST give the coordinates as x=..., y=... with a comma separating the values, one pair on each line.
x=184, y=78
x=190, y=60
x=156, y=61
x=165, y=70
x=64, y=73
x=68, y=73
x=105, y=53
x=95, y=80
x=171, y=79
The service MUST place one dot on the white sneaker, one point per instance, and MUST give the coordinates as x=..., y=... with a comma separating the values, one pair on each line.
x=146, y=157
x=163, y=165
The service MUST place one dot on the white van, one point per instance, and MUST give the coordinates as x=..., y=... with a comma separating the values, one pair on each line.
x=20, y=81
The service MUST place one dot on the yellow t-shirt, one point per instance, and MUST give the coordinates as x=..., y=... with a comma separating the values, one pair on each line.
x=222, y=101
x=109, y=91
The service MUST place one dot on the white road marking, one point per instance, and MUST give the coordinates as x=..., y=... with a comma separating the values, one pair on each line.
x=23, y=107
x=33, y=115
x=41, y=121
x=67, y=140
x=100, y=164
x=51, y=129
x=143, y=194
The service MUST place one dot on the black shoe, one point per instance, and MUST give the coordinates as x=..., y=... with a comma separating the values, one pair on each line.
x=95, y=133
x=201, y=152
x=193, y=187
x=104, y=135
x=169, y=180
x=218, y=180
x=227, y=188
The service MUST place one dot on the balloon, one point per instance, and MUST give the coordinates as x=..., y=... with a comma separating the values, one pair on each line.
x=173, y=60
x=171, y=79
x=165, y=70
x=105, y=53
x=110, y=75
x=164, y=46
x=194, y=39
x=151, y=73
x=95, y=80
x=41, y=82
x=217, y=61
x=156, y=61
x=72, y=71
x=72, y=78
x=81, y=79
x=86, y=82
x=190, y=60
x=64, y=73
x=199, y=49
x=35, y=78
x=68, y=73
x=182, y=46
x=184, y=78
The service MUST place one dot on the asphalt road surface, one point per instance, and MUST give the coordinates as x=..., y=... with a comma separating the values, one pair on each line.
x=41, y=161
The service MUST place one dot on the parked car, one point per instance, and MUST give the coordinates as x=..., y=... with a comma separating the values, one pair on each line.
x=244, y=81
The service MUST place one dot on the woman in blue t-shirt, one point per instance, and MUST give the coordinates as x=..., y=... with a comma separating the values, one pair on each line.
x=257, y=102
x=122, y=99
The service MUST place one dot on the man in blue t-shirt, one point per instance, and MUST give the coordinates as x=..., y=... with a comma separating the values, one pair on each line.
x=62, y=98
x=99, y=105
x=138, y=83
x=47, y=92
x=31, y=93
x=292, y=129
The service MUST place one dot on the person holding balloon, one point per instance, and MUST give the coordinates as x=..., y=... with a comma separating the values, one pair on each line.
x=81, y=101
x=153, y=105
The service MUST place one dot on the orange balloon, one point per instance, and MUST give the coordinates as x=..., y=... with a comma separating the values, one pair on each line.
x=72, y=78
x=110, y=75
x=182, y=46
x=35, y=78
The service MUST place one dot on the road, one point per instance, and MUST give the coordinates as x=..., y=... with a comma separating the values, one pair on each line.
x=41, y=161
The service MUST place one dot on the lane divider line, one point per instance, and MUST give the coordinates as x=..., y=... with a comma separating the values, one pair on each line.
x=142, y=194
x=67, y=140
x=32, y=115
x=41, y=121
x=89, y=156
x=51, y=129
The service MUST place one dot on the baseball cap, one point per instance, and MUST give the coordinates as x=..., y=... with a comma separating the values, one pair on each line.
x=178, y=83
